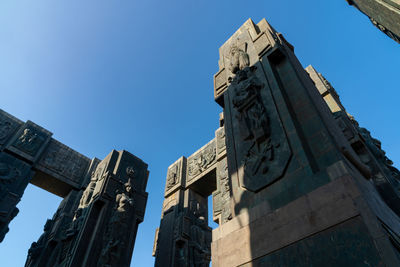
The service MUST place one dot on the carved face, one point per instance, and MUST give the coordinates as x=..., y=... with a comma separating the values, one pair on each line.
x=128, y=188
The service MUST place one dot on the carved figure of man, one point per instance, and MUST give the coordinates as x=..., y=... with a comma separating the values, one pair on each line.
x=117, y=227
x=87, y=194
x=172, y=176
x=239, y=59
x=29, y=141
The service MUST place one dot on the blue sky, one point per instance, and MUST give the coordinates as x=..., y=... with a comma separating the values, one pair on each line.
x=138, y=75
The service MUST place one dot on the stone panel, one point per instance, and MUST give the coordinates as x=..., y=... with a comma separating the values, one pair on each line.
x=30, y=141
x=222, y=196
x=201, y=162
x=176, y=176
x=62, y=161
x=262, y=150
x=220, y=140
x=98, y=226
x=8, y=126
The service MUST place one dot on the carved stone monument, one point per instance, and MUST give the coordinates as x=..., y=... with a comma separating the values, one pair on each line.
x=295, y=181
x=384, y=14
x=104, y=201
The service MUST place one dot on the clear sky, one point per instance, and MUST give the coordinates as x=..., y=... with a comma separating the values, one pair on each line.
x=138, y=75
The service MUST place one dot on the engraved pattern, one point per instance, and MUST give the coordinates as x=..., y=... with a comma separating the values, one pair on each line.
x=260, y=140
x=30, y=141
x=64, y=161
x=6, y=128
x=201, y=160
x=221, y=139
x=173, y=175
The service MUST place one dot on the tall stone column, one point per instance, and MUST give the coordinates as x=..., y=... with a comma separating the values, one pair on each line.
x=384, y=14
x=97, y=225
x=300, y=193
x=184, y=237
x=21, y=145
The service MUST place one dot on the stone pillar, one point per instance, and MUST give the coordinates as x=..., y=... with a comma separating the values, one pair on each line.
x=300, y=194
x=384, y=14
x=384, y=175
x=184, y=238
x=97, y=225
x=21, y=145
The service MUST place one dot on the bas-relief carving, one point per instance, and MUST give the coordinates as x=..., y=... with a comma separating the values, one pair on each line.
x=221, y=198
x=173, y=175
x=7, y=128
x=8, y=174
x=118, y=226
x=37, y=247
x=64, y=161
x=261, y=141
x=191, y=235
x=385, y=30
x=30, y=140
x=238, y=57
x=375, y=147
x=14, y=177
x=200, y=235
x=201, y=160
x=220, y=136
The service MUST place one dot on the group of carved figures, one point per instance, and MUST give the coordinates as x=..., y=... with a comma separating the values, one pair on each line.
x=113, y=238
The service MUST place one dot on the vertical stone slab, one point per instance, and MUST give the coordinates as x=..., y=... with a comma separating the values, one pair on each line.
x=51, y=247
x=184, y=238
x=29, y=141
x=384, y=14
x=8, y=126
x=222, y=209
x=14, y=177
x=176, y=176
x=113, y=213
x=284, y=148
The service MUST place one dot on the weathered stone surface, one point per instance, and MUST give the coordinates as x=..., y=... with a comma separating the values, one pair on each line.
x=97, y=226
x=14, y=177
x=295, y=181
x=201, y=161
x=29, y=141
x=384, y=14
x=176, y=176
x=104, y=202
x=8, y=126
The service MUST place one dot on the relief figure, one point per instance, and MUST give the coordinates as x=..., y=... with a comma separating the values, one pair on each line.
x=118, y=227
